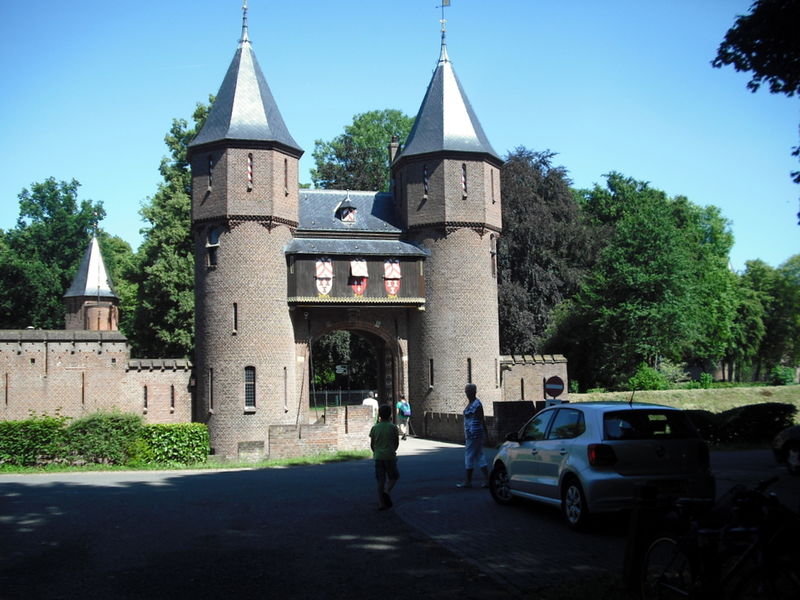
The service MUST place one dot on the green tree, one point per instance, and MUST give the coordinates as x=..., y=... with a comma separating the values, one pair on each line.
x=765, y=43
x=40, y=255
x=747, y=332
x=641, y=303
x=358, y=159
x=545, y=249
x=163, y=323
x=779, y=292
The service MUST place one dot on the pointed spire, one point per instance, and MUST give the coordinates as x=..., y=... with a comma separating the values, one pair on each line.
x=92, y=279
x=244, y=108
x=446, y=121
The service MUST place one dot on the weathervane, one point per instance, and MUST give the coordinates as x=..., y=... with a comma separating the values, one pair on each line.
x=443, y=21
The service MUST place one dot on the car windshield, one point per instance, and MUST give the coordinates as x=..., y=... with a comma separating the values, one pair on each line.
x=646, y=424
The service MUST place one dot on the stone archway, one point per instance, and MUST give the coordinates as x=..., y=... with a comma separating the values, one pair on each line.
x=384, y=328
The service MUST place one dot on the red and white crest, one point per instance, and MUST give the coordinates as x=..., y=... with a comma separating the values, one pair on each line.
x=324, y=276
x=392, y=276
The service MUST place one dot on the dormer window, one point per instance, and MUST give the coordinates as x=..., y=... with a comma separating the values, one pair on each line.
x=346, y=211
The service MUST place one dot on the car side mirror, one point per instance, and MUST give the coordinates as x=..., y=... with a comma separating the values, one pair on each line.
x=512, y=437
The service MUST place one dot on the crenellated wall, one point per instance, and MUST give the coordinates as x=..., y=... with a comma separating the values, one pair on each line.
x=76, y=373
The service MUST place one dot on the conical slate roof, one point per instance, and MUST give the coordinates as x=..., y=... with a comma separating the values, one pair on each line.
x=446, y=121
x=92, y=278
x=244, y=108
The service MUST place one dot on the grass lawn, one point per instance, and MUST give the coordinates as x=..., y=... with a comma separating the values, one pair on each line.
x=716, y=400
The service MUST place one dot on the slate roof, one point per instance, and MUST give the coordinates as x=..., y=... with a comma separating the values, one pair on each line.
x=374, y=231
x=374, y=212
x=244, y=108
x=446, y=121
x=92, y=278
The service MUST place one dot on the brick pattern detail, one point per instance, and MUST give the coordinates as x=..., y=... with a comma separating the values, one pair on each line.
x=445, y=201
x=344, y=428
x=76, y=378
x=459, y=325
x=251, y=273
x=274, y=192
x=524, y=376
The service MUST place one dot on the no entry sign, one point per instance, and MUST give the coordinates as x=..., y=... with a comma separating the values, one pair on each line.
x=554, y=387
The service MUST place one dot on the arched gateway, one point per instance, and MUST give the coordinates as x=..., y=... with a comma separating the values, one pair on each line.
x=278, y=266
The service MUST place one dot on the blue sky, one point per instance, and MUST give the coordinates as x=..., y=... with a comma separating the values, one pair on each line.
x=90, y=88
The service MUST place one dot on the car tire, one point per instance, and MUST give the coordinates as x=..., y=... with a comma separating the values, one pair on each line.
x=499, y=486
x=573, y=504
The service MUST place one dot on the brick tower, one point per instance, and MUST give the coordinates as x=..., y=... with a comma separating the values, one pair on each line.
x=244, y=208
x=447, y=185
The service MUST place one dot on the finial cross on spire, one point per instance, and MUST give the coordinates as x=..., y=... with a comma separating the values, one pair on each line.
x=245, y=36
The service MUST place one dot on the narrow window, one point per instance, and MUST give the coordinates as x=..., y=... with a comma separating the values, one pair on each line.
x=210, y=171
x=522, y=388
x=172, y=397
x=493, y=255
x=235, y=317
x=144, y=397
x=491, y=173
x=212, y=246
x=210, y=389
x=83, y=388
x=425, y=180
x=430, y=371
x=249, y=387
x=285, y=177
x=285, y=390
x=250, y=172
x=464, y=179
x=469, y=370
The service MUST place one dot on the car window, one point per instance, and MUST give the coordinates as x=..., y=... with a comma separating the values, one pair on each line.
x=567, y=424
x=646, y=424
x=536, y=427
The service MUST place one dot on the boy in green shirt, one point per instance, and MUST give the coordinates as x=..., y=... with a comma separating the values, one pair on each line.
x=384, y=440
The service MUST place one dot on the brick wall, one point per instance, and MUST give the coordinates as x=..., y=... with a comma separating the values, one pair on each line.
x=344, y=428
x=76, y=373
x=524, y=375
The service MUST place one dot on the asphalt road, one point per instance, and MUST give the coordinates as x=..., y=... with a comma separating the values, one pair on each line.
x=300, y=532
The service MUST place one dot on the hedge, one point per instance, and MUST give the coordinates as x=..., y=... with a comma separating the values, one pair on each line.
x=101, y=438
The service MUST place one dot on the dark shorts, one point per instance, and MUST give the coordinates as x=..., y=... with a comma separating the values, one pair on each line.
x=386, y=468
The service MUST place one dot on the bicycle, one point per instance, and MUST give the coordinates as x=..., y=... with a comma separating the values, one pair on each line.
x=746, y=546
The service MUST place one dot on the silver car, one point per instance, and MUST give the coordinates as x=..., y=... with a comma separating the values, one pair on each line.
x=600, y=457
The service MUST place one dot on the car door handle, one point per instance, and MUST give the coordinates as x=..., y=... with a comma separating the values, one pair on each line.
x=563, y=451
x=534, y=451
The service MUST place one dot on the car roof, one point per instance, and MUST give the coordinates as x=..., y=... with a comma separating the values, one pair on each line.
x=614, y=405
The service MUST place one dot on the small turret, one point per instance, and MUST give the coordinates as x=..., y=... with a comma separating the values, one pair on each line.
x=91, y=303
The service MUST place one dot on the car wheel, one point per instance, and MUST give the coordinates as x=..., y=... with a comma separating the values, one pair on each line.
x=573, y=504
x=793, y=459
x=499, y=486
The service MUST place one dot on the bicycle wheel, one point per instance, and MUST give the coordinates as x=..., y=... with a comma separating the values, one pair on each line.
x=666, y=571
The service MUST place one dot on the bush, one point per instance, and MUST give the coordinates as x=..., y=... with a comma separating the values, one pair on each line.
x=706, y=381
x=781, y=375
x=647, y=378
x=755, y=423
x=181, y=443
x=38, y=440
x=706, y=423
x=104, y=438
